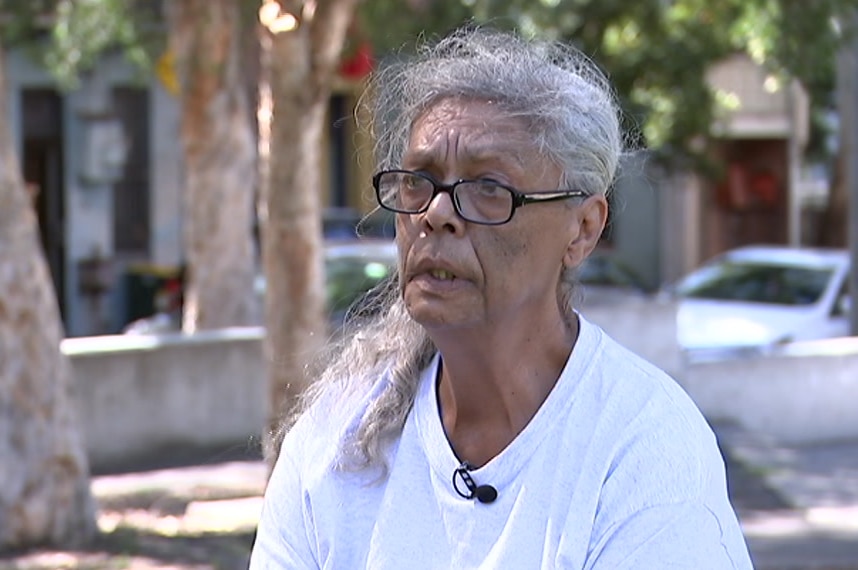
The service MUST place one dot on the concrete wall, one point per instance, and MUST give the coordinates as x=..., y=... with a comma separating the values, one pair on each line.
x=141, y=394
x=138, y=395
x=805, y=392
x=801, y=392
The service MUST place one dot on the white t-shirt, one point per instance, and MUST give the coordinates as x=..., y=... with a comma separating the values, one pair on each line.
x=616, y=470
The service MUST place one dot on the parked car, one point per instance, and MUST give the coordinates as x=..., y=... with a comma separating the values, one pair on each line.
x=355, y=266
x=755, y=297
x=606, y=280
x=352, y=268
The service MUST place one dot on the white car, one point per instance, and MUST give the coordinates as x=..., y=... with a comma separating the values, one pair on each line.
x=755, y=297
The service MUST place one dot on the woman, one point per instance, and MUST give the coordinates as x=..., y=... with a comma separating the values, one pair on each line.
x=481, y=422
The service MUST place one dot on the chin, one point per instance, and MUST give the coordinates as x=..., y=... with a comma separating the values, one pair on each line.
x=439, y=315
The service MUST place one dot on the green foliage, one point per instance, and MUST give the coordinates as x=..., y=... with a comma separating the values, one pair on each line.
x=20, y=20
x=84, y=30
x=79, y=32
x=393, y=25
x=656, y=51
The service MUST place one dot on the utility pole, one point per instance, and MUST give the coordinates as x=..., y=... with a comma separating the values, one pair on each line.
x=847, y=102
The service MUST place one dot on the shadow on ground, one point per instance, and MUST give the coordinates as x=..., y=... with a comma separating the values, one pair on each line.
x=748, y=490
x=152, y=527
x=154, y=514
x=169, y=457
x=131, y=548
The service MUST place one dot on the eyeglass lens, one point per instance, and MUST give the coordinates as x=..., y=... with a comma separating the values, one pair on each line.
x=477, y=201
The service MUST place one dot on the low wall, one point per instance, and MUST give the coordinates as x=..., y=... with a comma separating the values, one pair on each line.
x=797, y=393
x=137, y=395
x=801, y=393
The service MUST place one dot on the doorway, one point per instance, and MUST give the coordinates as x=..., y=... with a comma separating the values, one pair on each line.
x=42, y=165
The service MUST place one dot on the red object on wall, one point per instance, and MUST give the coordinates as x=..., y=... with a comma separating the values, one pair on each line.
x=359, y=64
x=764, y=186
x=744, y=190
x=737, y=187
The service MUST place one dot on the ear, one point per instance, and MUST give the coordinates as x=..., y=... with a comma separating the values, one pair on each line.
x=590, y=217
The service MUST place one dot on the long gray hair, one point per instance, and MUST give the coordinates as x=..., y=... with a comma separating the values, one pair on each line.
x=572, y=114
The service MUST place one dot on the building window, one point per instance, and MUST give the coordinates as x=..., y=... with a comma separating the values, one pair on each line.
x=131, y=196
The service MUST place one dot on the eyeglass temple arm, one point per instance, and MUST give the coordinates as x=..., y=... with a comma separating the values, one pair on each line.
x=548, y=196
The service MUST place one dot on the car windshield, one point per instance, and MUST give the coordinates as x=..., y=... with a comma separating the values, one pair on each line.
x=757, y=283
x=349, y=278
x=599, y=270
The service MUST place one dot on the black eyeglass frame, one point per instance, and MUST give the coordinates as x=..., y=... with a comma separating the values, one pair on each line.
x=519, y=198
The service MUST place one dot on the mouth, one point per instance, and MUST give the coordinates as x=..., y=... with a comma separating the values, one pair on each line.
x=442, y=274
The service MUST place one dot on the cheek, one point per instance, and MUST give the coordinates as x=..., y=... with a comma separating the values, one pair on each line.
x=514, y=244
x=506, y=253
x=518, y=257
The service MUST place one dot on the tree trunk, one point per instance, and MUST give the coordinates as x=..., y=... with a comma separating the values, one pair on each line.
x=219, y=159
x=44, y=495
x=299, y=67
x=833, y=231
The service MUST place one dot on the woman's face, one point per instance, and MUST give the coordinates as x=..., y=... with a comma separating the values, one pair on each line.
x=464, y=275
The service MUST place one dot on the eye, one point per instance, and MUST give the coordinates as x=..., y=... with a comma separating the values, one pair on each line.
x=488, y=189
x=414, y=183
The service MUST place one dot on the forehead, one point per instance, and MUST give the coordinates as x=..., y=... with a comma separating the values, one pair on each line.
x=471, y=130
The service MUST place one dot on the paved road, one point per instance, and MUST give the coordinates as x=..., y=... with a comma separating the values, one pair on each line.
x=798, y=504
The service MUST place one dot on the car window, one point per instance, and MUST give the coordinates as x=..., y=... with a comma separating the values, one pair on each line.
x=599, y=270
x=841, y=303
x=348, y=278
x=757, y=283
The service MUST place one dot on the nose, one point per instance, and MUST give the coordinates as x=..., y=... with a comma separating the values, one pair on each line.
x=442, y=215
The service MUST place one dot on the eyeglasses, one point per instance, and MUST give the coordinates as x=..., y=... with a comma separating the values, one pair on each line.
x=479, y=201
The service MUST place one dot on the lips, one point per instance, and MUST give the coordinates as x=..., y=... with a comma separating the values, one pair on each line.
x=442, y=274
x=434, y=268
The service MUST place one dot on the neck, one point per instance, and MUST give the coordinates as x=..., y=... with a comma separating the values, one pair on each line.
x=493, y=381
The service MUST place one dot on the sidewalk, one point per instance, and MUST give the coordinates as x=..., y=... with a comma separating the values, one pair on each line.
x=798, y=504
x=798, y=507
x=217, y=498
x=200, y=517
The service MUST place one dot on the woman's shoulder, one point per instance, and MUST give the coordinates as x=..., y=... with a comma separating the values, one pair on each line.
x=632, y=383
x=321, y=434
x=643, y=413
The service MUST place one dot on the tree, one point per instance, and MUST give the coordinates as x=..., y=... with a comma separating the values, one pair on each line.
x=220, y=163
x=45, y=495
x=205, y=51
x=302, y=42
x=657, y=54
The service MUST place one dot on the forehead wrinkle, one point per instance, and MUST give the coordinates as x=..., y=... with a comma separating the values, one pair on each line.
x=470, y=135
x=440, y=151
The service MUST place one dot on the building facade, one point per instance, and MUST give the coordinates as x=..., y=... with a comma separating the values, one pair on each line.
x=104, y=166
x=103, y=163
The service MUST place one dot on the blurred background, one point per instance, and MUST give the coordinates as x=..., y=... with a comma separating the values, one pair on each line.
x=186, y=215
